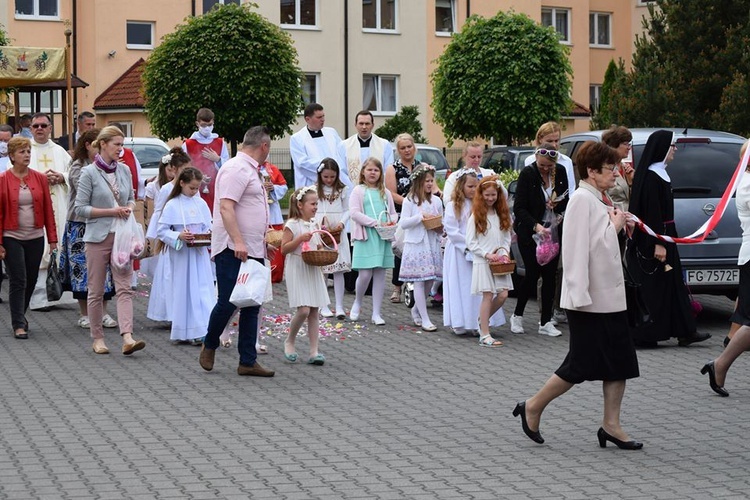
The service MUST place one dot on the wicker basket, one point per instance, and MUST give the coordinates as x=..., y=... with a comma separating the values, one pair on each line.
x=336, y=233
x=320, y=257
x=432, y=222
x=200, y=240
x=505, y=268
x=386, y=231
x=273, y=237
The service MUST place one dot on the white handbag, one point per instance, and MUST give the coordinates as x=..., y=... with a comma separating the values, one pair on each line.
x=251, y=287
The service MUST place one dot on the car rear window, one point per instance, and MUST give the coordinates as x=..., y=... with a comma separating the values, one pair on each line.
x=432, y=157
x=149, y=156
x=700, y=170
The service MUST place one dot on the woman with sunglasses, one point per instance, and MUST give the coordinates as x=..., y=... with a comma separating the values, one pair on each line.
x=655, y=263
x=542, y=185
x=594, y=297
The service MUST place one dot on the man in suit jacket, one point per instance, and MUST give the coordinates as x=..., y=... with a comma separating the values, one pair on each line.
x=85, y=121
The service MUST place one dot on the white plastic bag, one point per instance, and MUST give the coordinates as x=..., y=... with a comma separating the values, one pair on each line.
x=251, y=287
x=129, y=242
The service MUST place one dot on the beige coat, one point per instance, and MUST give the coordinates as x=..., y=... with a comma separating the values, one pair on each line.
x=592, y=269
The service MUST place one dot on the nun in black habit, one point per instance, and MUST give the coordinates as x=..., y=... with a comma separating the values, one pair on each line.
x=655, y=263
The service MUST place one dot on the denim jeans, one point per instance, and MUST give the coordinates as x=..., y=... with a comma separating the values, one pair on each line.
x=227, y=268
x=22, y=260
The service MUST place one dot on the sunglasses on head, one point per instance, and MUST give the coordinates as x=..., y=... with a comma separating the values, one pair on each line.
x=40, y=125
x=550, y=153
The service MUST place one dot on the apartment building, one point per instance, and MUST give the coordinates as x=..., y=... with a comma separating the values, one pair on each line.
x=373, y=54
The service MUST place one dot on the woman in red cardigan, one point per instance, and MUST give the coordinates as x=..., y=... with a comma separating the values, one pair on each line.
x=26, y=209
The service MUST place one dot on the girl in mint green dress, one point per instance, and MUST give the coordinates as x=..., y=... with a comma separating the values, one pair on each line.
x=372, y=255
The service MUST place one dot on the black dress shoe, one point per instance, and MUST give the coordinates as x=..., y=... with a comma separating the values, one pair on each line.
x=520, y=409
x=604, y=436
x=711, y=370
x=697, y=337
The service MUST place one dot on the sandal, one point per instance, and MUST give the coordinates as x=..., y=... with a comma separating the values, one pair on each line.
x=489, y=341
x=396, y=296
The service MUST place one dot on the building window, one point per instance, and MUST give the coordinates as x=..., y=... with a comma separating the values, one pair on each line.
x=310, y=88
x=140, y=35
x=379, y=94
x=38, y=9
x=27, y=102
x=595, y=92
x=379, y=15
x=209, y=4
x=126, y=127
x=600, y=25
x=558, y=19
x=299, y=13
x=445, y=16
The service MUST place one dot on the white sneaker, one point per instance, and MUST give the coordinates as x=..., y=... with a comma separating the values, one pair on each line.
x=549, y=329
x=83, y=322
x=559, y=317
x=108, y=321
x=516, y=324
x=354, y=313
x=326, y=312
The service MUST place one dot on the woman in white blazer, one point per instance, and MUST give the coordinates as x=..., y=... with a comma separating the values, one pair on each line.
x=593, y=293
x=105, y=193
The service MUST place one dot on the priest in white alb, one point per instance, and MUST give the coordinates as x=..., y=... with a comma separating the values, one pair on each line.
x=50, y=159
x=311, y=144
x=364, y=144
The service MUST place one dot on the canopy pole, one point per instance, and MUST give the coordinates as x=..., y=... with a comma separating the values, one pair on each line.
x=69, y=84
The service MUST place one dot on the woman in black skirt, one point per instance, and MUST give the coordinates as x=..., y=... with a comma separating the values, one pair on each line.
x=593, y=293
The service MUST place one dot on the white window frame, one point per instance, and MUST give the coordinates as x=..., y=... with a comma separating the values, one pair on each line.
x=596, y=16
x=221, y=2
x=452, y=4
x=138, y=46
x=127, y=127
x=35, y=16
x=378, y=93
x=297, y=16
x=29, y=107
x=553, y=14
x=306, y=100
x=595, y=91
x=378, y=20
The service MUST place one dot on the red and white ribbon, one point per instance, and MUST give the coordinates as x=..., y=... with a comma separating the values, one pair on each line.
x=708, y=226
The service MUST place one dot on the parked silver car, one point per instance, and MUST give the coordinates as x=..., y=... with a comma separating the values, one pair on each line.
x=701, y=170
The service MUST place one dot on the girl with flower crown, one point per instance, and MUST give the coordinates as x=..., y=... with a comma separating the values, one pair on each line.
x=488, y=235
x=305, y=285
x=421, y=260
x=333, y=212
x=460, y=307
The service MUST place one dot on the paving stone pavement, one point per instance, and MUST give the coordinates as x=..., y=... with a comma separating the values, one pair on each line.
x=394, y=413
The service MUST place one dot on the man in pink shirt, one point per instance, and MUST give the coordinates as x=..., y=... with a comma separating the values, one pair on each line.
x=238, y=233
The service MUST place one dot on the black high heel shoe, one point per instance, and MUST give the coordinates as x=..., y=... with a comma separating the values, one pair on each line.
x=711, y=370
x=520, y=409
x=604, y=436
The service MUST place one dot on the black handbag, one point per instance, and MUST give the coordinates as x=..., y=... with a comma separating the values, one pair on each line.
x=638, y=312
x=54, y=283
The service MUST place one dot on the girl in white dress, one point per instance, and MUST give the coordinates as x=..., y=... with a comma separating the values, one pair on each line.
x=460, y=307
x=159, y=309
x=487, y=231
x=305, y=284
x=421, y=260
x=333, y=206
x=191, y=294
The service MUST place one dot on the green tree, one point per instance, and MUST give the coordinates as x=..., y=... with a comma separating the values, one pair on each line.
x=405, y=121
x=605, y=115
x=231, y=60
x=501, y=77
x=688, y=70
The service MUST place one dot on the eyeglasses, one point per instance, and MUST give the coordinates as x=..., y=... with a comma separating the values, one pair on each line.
x=40, y=125
x=550, y=153
x=611, y=168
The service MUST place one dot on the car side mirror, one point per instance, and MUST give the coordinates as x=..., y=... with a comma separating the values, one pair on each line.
x=512, y=188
